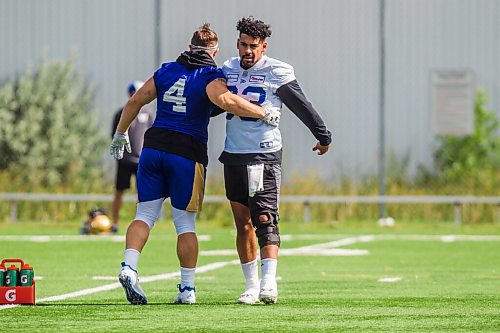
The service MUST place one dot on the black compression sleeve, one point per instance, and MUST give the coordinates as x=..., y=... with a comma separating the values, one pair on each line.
x=291, y=94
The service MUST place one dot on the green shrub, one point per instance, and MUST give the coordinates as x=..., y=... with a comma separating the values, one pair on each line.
x=48, y=136
x=471, y=156
x=49, y=140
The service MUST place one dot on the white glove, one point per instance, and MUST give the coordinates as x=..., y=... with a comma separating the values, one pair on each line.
x=273, y=114
x=119, y=144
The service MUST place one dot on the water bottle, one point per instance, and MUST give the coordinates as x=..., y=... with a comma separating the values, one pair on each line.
x=2, y=275
x=26, y=275
x=11, y=276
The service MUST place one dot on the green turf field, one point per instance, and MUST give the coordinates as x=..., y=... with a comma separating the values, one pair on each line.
x=441, y=283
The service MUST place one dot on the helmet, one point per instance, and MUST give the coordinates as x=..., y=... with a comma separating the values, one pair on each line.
x=134, y=86
x=97, y=223
x=100, y=224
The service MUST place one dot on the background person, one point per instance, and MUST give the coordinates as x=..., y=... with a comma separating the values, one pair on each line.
x=127, y=166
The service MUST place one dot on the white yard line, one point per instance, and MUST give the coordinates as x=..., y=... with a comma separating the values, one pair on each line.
x=328, y=248
x=62, y=238
x=390, y=279
x=286, y=237
x=74, y=238
x=442, y=238
x=365, y=238
x=111, y=286
x=322, y=249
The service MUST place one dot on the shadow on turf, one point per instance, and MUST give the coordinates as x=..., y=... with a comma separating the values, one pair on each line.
x=149, y=304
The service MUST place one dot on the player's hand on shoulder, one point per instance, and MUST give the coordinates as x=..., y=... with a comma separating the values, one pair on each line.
x=321, y=149
x=272, y=114
x=119, y=144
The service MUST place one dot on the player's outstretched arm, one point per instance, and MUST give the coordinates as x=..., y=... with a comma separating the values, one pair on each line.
x=219, y=95
x=291, y=94
x=141, y=97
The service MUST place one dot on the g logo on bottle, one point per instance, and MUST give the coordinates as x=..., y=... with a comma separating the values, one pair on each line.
x=24, y=279
x=10, y=295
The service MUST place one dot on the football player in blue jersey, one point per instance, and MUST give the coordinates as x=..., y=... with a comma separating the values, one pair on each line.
x=174, y=156
x=252, y=154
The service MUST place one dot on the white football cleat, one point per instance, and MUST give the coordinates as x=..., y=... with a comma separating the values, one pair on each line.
x=268, y=291
x=186, y=295
x=130, y=283
x=249, y=296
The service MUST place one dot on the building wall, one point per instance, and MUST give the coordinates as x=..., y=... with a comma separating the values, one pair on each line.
x=333, y=45
x=427, y=35
x=111, y=40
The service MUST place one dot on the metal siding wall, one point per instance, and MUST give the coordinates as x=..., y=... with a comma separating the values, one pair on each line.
x=332, y=44
x=496, y=64
x=428, y=34
x=112, y=41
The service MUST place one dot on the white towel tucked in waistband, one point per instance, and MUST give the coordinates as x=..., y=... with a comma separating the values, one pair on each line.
x=255, y=178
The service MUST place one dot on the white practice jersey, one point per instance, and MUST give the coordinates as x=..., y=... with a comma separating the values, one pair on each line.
x=257, y=85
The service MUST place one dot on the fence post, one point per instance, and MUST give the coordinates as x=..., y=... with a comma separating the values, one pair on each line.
x=13, y=212
x=307, y=212
x=497, y=215
x=458, y=213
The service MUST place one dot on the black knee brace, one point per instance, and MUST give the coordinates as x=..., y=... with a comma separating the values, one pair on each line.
x=267, y=232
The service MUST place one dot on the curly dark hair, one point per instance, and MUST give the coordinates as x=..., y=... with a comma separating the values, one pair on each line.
x=255, y=28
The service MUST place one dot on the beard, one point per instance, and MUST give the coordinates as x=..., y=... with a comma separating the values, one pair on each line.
x=247, y=62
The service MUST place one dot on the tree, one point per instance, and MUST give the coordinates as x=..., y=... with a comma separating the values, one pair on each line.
x=48, y=135
x=471, y=155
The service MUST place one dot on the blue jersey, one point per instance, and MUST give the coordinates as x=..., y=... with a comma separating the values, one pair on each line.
x=182, y=102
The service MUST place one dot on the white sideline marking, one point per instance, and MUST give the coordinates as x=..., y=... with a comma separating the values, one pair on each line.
x=295, y=252
x=113, y=278
x=121, y=238
x=322, y=249
x=442, y=238
x=217, y=265
x=330, y=248
x=72, y=238
x=111, y=286
x=323, y=252
x=390, y=279
x=8, y=306
x=448, y=239
x=201, y=269
x=62, y=238
x=287, y=237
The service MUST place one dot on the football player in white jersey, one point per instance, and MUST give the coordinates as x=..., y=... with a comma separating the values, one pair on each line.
x=174, y=155
x=252, y=155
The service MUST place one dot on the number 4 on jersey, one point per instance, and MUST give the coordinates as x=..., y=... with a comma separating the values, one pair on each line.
x=175, y=94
